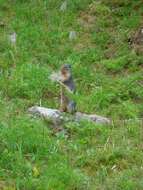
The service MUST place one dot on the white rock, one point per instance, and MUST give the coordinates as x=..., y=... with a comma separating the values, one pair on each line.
x=12, y=38
x=45, y=112
x=72, y=35
x=63, y=6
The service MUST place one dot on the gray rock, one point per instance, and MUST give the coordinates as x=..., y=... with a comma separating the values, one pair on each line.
x=12, y=37
x=63, y=6
x=72, y=35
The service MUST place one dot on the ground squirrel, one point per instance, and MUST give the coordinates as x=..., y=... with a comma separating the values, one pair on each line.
x=65, y=79
x=67, y=105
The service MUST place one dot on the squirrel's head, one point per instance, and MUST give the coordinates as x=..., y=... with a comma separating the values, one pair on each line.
x=67, y=77
x=66, y=71
x=66, y=68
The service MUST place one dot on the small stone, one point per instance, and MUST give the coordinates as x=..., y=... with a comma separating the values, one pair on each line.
x=72, y=35
x=63, y=6
x=2, y=24
x=114, y=167
x=13, y=38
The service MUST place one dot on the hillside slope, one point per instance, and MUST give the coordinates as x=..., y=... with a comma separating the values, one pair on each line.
x=106, y=57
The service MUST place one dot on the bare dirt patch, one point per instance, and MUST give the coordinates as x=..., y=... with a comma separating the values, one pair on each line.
x=137, y=40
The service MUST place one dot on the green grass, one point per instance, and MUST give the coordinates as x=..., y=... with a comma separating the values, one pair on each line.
x=109, y=78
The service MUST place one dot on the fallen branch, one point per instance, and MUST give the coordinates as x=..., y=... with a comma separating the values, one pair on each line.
x=57, y=116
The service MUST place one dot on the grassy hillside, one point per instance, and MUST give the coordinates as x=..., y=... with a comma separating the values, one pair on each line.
x=109, y=79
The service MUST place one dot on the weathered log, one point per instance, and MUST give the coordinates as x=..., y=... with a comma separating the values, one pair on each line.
x=57, y=116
